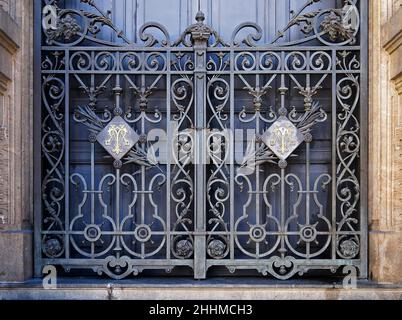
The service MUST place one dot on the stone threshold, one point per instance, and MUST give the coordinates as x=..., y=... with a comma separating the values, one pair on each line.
x=187, y=289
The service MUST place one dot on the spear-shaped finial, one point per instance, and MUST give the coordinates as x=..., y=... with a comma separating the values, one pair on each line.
x=200, y=17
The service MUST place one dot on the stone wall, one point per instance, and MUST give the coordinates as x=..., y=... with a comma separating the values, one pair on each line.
x=16, y=55
x=385, y=141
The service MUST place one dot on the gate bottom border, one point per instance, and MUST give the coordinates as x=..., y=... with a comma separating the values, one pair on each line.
x=282, y=269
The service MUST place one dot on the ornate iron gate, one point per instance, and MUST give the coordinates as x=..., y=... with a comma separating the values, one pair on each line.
x=201, y=152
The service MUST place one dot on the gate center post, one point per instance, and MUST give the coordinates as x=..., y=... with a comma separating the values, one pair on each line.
x=200, y=35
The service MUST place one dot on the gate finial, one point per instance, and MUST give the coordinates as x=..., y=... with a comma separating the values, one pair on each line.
x=199, y=17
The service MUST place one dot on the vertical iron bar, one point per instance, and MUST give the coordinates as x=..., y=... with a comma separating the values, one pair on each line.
x=168, y=153
x=257, y=169
x=92, y=167
x=283, y=89
x=117, y=91
x=143, y=172
x=282, y=250
x=117, y=215
x=232, y=154
x=92, y=191
x=364, y=140
x=334, y=155
x=308, y=188
x=308, y=194
x=37, y=149
x=67, y=156
x=200, y=50
x=143, y=182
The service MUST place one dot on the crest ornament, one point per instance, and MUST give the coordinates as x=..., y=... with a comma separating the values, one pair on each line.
x=283, y=138
x=117, y=138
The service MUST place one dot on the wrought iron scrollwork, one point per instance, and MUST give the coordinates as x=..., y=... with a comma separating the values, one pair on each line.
x=283, y=200
x=53, y=184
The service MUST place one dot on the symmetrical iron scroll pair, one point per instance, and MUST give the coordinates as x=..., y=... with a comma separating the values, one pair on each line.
x=118, y=201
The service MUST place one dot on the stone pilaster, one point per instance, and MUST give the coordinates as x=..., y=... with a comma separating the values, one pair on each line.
x=15, y=140
x=386, y=141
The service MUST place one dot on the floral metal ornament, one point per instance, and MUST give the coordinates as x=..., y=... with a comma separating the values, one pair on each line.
x=184, y=248
x=335, y=24
x=117, y=138
x=283, y=138
x=349, y=248
x=216, y=249
x=67, y=28
x=53, y=247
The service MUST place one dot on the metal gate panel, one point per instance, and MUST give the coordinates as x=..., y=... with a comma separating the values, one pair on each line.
x=201, y=152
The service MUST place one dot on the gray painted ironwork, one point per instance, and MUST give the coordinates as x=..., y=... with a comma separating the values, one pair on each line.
x=293, y=214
